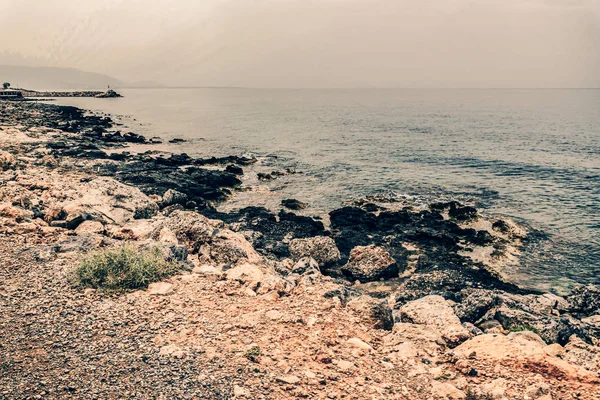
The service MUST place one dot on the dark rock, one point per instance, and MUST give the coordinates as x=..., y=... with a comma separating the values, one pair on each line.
x=293, y=204
x=108, y=94
x=264, y=177
x=177, y=140
x=585, y=300
x=74, y=220
x=234, y=169
x=501, y=226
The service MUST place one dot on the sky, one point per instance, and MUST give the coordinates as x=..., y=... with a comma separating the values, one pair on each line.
x=312, y=43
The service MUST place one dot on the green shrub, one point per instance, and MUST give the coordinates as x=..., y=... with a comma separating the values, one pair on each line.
x=125, y=267
x=253, y=353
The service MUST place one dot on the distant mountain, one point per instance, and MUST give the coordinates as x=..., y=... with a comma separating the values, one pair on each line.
x=50, y=78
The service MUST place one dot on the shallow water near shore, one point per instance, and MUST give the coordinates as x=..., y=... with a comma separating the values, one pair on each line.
x=532, y=155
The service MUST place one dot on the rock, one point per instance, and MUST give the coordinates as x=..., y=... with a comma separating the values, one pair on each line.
x=7, y=161
x=145, y=211
x=293, y=204
x=434, y=311
x=554, y=350
x=370, y=263
x=356, y=342
x=228, y=248
x=345, y=365
x=49, y=161
x=306, y=266
x=538, y=391
x=585, y=300
x=239, y=391
x=495, y=389
x=189, y=227
x=205, y=269
x=74, y=219
x=499, y=347
x=167, y=236
x=108, y=201
x=524, y=347
x=87, y=227
x=373, y=312
x=82, y=243
x=171, y=197
x=289, y=379
x=172, y=350
x=273, y=315
x=408, y=341
x=160, y=289
x=583, y=354
x=234, y=169
x=245, y=273
x=443, y=390
x=321, y=248
x=593, y=320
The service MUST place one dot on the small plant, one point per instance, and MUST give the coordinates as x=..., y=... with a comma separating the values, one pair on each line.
x=6, y=85
x=125, y=267
x=253, y=353
x=525, y=327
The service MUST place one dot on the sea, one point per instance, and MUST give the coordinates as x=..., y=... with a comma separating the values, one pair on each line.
x=530, y=155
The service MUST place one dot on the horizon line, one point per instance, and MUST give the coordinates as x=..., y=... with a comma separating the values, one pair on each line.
x=356, y=88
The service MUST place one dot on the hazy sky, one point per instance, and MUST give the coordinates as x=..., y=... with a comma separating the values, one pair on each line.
x=312, y=43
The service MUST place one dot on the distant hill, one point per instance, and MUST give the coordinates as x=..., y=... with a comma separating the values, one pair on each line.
x=50, y=78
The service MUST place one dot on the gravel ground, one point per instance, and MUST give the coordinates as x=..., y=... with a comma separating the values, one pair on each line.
x=57, y=343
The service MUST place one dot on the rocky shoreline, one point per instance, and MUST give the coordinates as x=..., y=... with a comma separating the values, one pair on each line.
x=384, y=301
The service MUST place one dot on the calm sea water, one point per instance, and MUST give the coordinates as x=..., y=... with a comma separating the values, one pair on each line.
x=532, y=155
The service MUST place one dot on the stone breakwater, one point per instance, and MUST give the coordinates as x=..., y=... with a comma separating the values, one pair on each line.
x=386, y=301
x=81, y=93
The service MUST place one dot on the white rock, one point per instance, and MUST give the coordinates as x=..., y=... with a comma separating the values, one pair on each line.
x=172, y=350
x=160, y=288
x=446, y=391
x=435, y=312
x=356, y=342
x=206, y=269
x=289, y=379
x=245, y=273
x=345, y=365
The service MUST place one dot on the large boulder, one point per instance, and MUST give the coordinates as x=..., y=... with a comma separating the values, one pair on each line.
x=370, y=263
x=190, y=228
x=522, y=347
x=373, y=312
x=105, y=200
x=321, y=248
x=435, y=312
x=228, y=248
